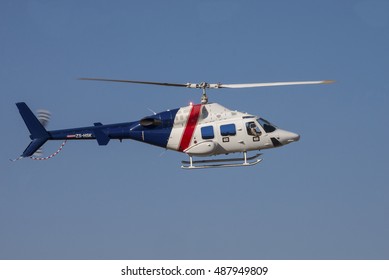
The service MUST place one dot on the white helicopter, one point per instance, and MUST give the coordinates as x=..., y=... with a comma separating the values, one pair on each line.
x=198, y=130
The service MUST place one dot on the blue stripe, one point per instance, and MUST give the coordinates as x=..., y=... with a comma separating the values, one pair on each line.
x=154, y=135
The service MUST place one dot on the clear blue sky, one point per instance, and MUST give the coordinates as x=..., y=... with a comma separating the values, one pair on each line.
x=325, y=197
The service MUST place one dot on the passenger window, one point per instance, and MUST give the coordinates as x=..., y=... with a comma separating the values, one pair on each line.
x=207, y=132
x=252, y=129
x=228, y=130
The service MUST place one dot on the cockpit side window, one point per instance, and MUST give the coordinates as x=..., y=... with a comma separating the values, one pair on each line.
x=267, y=126
x=252, y=129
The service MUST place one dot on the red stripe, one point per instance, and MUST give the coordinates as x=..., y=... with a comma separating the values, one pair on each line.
x=190, y=127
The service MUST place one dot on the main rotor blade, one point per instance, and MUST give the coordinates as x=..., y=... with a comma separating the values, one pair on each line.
x=205, y=85
x=271, y=84
x=134, y=82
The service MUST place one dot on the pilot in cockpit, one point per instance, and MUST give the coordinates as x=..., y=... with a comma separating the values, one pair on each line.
x=253, y=129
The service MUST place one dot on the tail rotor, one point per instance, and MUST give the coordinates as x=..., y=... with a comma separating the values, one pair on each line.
x=43, y=117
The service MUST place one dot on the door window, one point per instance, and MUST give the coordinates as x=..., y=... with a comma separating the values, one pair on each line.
x=228, y=130
x=207, y=132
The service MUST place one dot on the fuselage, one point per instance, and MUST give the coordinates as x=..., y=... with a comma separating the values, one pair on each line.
x=197, y=130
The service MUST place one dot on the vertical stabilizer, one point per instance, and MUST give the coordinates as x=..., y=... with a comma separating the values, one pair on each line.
x=33, y=124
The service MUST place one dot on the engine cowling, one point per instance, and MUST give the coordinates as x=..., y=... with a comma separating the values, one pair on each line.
x=150, y=122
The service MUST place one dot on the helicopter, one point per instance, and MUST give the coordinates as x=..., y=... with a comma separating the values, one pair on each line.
x=199, y=130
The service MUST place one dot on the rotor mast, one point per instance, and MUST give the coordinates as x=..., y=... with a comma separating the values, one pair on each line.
x=204, y=97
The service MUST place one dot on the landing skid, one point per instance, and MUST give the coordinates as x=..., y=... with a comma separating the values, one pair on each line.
x=245, y=161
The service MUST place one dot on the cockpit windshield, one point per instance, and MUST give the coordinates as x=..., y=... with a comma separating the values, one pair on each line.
x=267, y=126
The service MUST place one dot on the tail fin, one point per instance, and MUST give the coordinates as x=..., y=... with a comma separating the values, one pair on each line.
x=39, y=134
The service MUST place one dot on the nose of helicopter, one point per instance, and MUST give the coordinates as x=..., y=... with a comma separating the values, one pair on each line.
x=286, y=137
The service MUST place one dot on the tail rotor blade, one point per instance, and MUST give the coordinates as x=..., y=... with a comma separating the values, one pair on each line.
x=38, y=153
x=44, y=117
